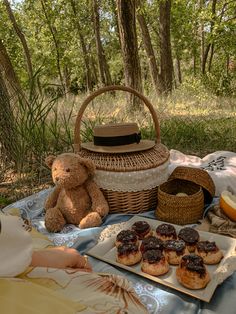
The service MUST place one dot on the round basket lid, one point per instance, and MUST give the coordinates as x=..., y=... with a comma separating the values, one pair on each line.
x=130, y=161
x=198, y=176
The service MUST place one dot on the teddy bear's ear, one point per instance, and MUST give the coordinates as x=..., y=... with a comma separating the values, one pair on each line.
x=49, y=160
x=88, y=164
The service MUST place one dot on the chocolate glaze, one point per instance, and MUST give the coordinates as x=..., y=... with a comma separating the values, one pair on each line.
x=193, y=263
x=189, y=235
x=177, y=246
x=127, y=236
x=166, y=230
x=127, y=248
x=141, y=228
x=206, y=246
x=153, y=256
x=151, y=243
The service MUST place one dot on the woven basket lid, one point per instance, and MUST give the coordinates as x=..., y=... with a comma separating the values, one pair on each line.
x=198, y=176
x=124, y=162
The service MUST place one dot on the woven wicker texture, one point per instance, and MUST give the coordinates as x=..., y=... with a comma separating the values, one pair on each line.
x=127, y=202
x=143, y=160
x=198, y=176
x=180, y=209
x=131, y=202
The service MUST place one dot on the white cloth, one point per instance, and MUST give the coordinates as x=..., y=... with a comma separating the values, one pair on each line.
x=220, y=165
x=132, y=181
x=15, y=247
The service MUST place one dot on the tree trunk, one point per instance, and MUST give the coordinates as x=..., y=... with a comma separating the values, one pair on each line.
x=211, y=58
x=83, y=47
x=67, y=80
x=9, y=143
x=104, y=71
x=129, y=47
x=202, y=39
x=206, y=52
x=165, y=45
x=8, y=73
x=156, y=78
x=194, y=65
x=204, y=58
x=22, y=39
x=115, y=17
x=178, y=63
x=56, y=43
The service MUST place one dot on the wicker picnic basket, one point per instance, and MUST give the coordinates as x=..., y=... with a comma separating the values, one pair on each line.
x=180, y=210
x=200, y=190
x=129, y=180
x=198, y=176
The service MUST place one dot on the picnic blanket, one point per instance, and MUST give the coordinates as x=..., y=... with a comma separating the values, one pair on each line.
x=155, y=297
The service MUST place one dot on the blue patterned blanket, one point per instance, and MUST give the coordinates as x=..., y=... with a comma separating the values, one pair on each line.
x=158, y=299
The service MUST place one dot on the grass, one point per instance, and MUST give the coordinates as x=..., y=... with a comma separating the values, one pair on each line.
x=192, y=121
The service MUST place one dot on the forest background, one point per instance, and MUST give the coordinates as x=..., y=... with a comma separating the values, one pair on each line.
x=181, y=54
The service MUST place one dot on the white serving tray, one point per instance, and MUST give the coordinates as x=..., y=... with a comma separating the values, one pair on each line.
x=106, y=251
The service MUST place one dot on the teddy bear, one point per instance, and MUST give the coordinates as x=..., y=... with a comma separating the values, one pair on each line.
x=76, y=198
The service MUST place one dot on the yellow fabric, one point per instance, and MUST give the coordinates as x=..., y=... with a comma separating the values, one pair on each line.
x=22, y=297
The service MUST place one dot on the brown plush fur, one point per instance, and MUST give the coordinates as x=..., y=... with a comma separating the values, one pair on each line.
x=76, y=198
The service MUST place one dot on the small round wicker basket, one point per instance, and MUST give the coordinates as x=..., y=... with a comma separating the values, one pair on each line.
x=198, y=176
x=180, y=209
x=132, y=167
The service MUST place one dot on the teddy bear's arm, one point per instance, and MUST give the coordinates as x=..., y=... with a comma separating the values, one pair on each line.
x=51, y=200
x=99, y=203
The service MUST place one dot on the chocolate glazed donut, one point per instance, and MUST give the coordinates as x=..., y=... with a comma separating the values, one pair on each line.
x=166, y=232
x=154, y=263
x=128, y=254
x=192, y=272
x=190, y=236
x=174, y=250
x=151, y=243
x=209, y=251
x=142, y=229
x=126, y=236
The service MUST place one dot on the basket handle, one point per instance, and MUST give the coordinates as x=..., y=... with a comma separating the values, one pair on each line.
x=77, y=139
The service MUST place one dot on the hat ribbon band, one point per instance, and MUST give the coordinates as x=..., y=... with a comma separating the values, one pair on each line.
x=117, y=140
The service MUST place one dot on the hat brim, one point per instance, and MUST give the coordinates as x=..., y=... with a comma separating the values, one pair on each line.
x=142, y=145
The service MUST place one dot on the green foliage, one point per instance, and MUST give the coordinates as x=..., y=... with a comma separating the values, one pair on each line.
x=4, y=201
x=191, y=136
x=43, y=125
x=188, y=17
x=42, y=129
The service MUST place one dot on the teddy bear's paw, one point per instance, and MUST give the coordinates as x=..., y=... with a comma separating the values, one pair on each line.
x=54, y=221
x=91, y=220
x=102, y=209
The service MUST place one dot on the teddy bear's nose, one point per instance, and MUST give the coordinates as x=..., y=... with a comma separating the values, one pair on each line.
x=57, y=178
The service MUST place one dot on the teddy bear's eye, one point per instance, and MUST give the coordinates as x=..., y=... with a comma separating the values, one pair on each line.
x=54, y=169
x=68, y=170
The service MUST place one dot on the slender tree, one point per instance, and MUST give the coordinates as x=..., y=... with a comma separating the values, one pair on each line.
x=104, y=71
x=165, y=44
x=8, y=72
x=129, y=45
x=53, y=32
x=146, y=38
x=210, y=45
x=9, y=142
x=83, y=45
x=21, y=36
